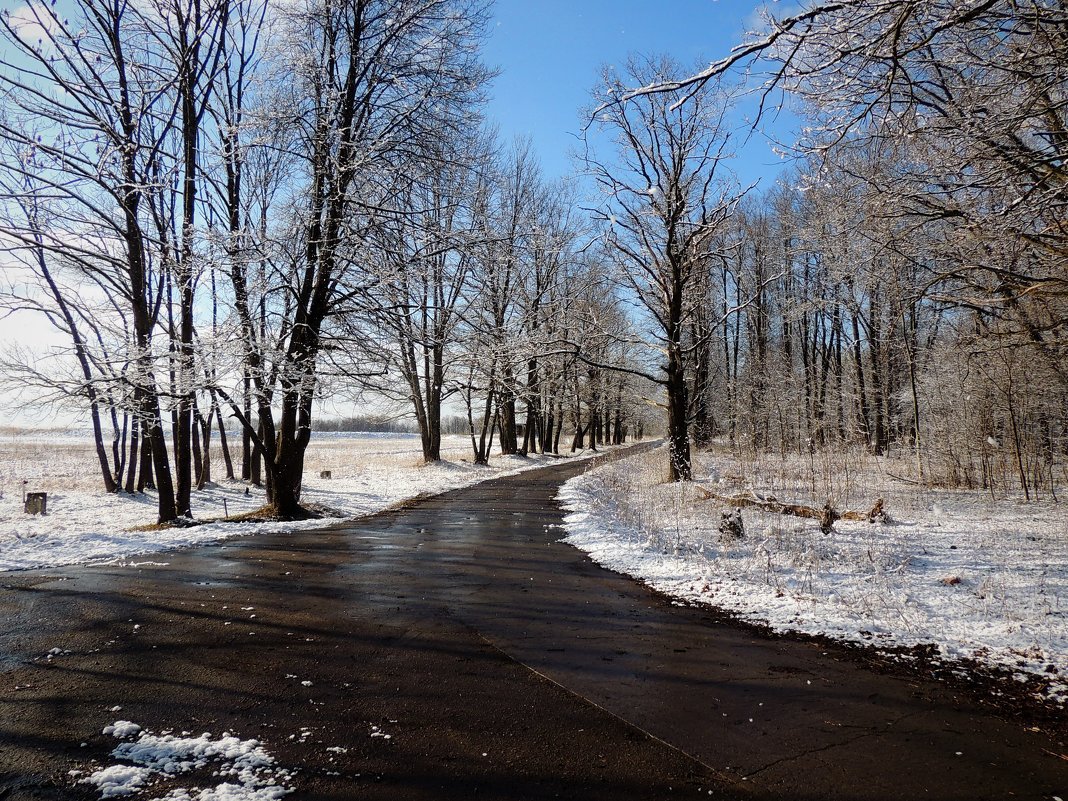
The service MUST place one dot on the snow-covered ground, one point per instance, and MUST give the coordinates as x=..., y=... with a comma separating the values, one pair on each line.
x=979, y=578
x=370, y=472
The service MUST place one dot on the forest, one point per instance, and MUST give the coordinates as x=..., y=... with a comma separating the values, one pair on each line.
x=231, y=209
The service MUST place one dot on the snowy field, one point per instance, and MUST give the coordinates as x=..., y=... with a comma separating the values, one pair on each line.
x=370, y=472
x=979, y=578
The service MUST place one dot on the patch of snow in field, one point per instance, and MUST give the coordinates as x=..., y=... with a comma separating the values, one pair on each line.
x=85, y=524
x=252, y=773
x=977, y=578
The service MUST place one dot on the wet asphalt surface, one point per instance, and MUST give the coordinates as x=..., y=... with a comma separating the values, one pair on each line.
x=502, y=663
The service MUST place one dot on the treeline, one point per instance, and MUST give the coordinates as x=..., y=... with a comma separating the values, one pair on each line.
x=233, y=208
x=905, y=288
x=834, y=340
x=360, y=423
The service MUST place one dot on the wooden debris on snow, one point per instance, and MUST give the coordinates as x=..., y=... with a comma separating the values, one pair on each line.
x=827, y=516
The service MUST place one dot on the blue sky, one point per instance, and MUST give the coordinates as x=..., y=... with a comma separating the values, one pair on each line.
x=551, y=53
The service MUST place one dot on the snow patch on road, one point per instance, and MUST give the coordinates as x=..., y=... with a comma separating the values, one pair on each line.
x=251, y=773
x=119, y=780
x=122, y=728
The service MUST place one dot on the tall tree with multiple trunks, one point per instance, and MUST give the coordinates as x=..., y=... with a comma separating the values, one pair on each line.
x=190, y=35
x=372, y=76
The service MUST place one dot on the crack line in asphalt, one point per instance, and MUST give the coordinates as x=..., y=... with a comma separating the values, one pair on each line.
x=868, y=732
x=724, y=777
x=810, y=751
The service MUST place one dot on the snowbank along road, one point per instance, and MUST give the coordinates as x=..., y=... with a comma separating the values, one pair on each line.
x=455, y=649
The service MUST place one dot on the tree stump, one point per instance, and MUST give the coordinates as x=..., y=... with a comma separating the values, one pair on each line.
x=36, y=503
x=730, y=525
x=827, y=518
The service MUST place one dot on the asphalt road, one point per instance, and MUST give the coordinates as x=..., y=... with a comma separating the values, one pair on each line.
x=502, y=663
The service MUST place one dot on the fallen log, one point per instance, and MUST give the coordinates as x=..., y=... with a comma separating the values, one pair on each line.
x=827, y=515
x=877, y=514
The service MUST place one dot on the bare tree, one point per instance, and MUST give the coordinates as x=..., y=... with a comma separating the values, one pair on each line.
x=42, y=286
x=372, y=75
x=973, y=97
x=409, y=319
x=189, y=37
x=666, y=195
x=90, y=109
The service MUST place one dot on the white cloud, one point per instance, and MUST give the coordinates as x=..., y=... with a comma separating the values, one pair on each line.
x=756, y=21
x=33, y=22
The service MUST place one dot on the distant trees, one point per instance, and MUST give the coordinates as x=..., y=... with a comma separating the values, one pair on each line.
x=532, y=293
x=473, y=283
x=408, y=321
x=848, y=345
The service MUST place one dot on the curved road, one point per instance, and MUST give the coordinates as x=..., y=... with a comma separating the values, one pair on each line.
x=502, y=663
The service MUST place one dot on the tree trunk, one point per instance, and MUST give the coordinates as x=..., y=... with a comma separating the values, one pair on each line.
x=506, y=418
x=559, y=418
x=161, y=467
x=223, y=442
x=482, y=446
x=145, y=477
x=135, y=450
x=862, y=396
x=197, y=458
x=118, y=444
x=680, y=465
x=205, y=449
x=577, y=443
x=246, y=432
x=878, y=443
